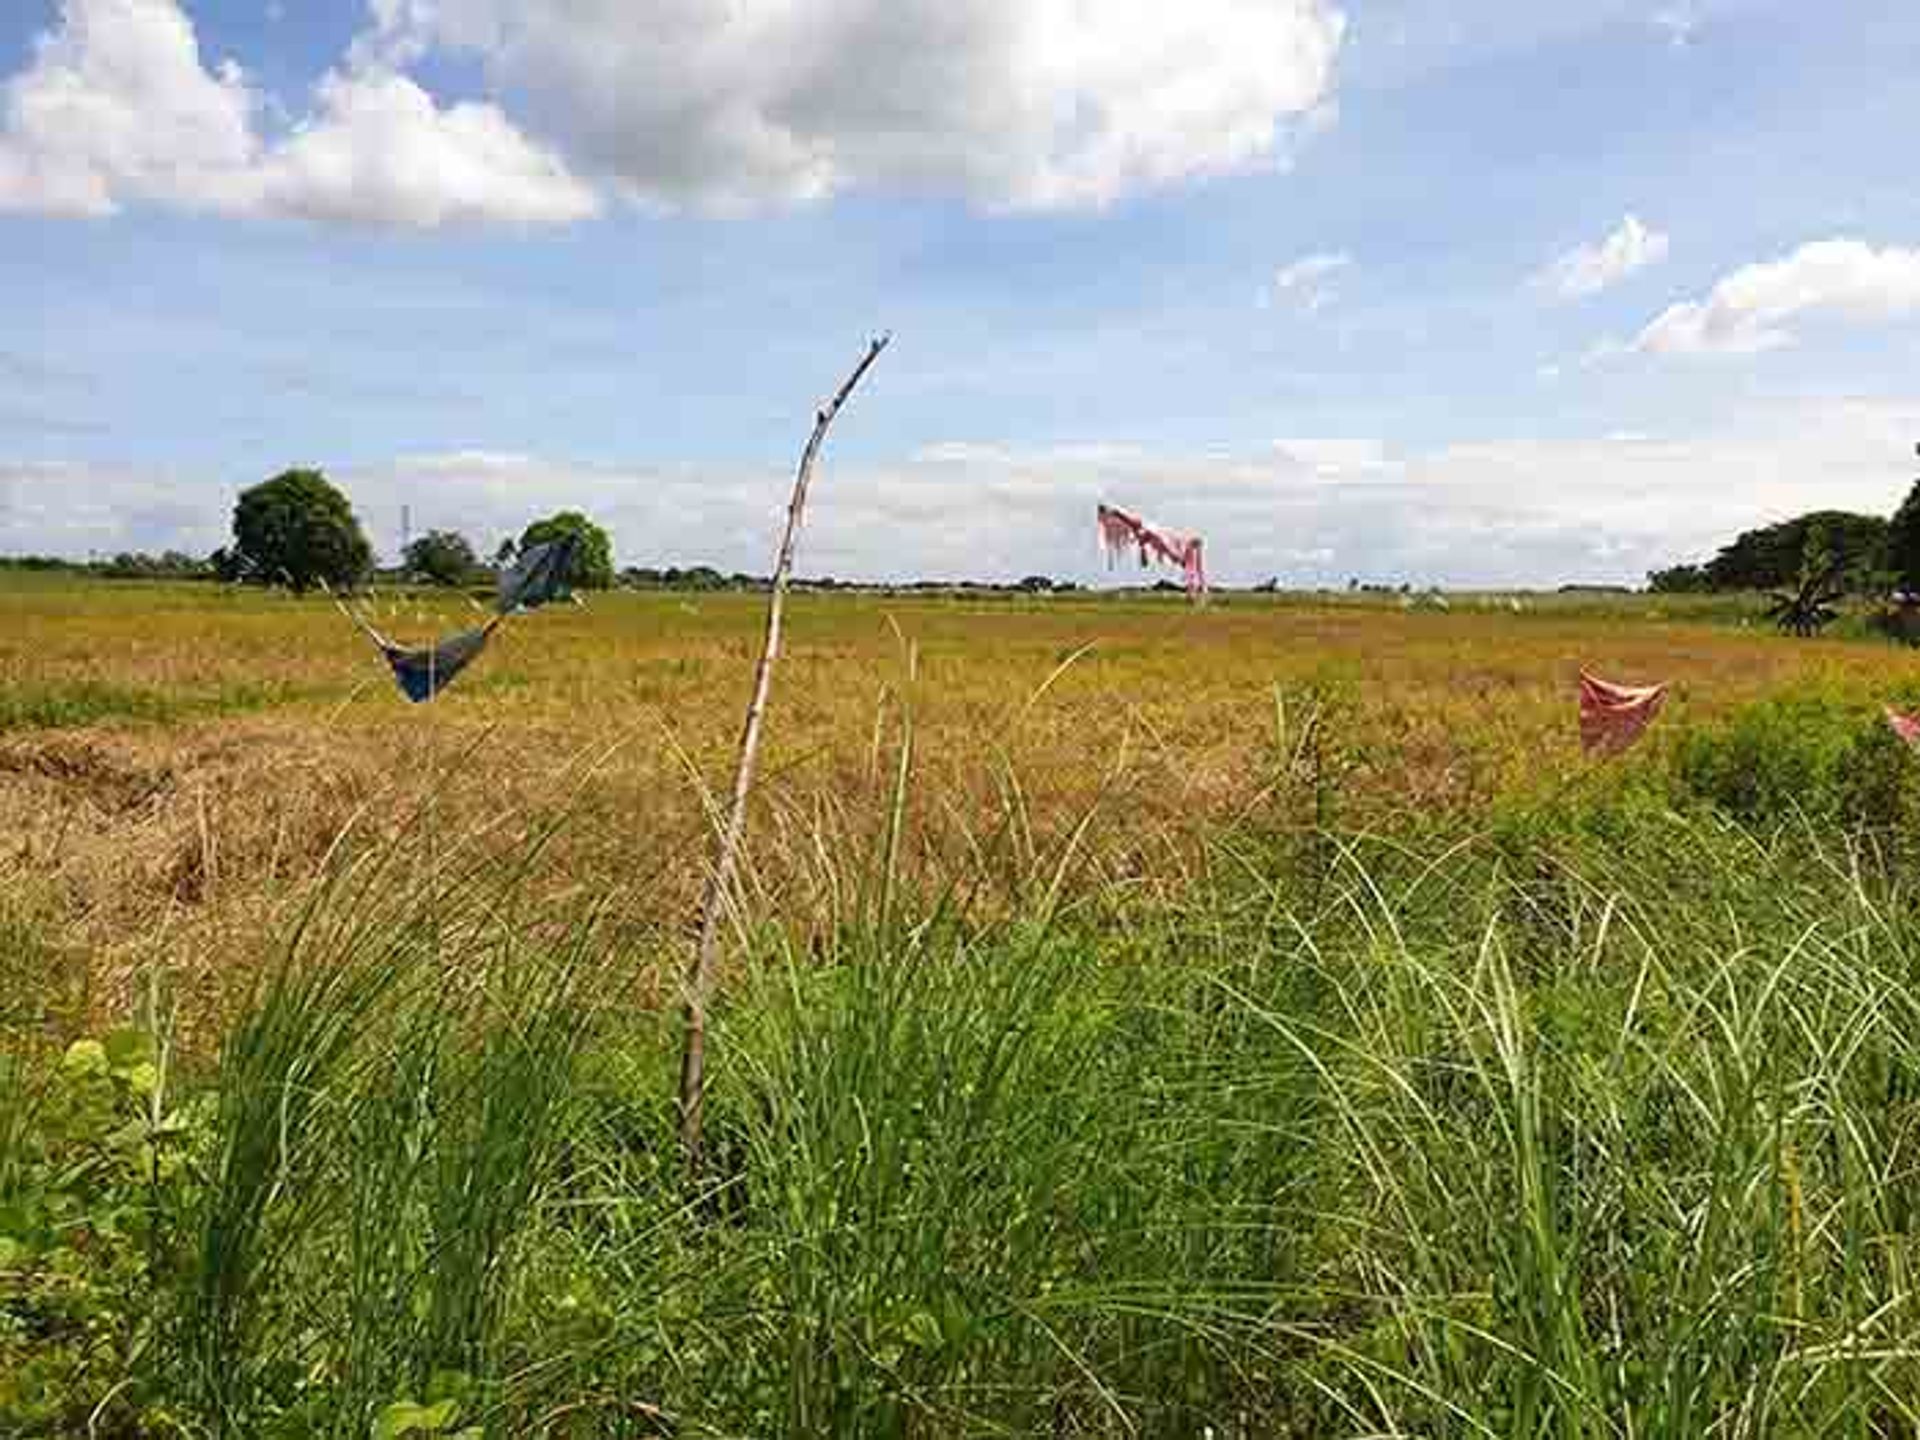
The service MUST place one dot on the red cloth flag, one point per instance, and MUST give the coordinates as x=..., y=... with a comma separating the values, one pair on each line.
x=1907, y=727
x=1612, y=716
x=1120, y=532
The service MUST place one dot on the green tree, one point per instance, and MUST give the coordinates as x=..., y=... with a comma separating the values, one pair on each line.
x=298, y=528
x=1679, y=580
x=1903, y=542
x=592, y=562
x=1775, y=555
x=442, y=556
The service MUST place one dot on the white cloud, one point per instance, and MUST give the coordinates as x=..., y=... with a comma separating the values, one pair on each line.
x=1335, y=457
x=1753, y=309
x=719, y=103
x=383, y=153
x=1679, y=23
x=117, y=106
x=1307, y=282
x=1589, y=269
x=1015, y=103
x=1496, y=512
x=72, y=509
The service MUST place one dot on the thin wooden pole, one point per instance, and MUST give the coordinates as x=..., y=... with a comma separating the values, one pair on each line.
x=719, y=891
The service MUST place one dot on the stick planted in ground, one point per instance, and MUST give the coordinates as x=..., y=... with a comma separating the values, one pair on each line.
x=719, y=890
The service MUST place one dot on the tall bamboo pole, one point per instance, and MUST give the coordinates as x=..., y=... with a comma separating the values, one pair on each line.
x=719, y=891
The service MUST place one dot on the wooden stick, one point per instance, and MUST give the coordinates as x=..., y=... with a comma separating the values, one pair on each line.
x=693, y=1060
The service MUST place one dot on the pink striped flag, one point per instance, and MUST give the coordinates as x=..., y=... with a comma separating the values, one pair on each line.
x=1906, y=726
x=1120, y=532
x=1612, y=716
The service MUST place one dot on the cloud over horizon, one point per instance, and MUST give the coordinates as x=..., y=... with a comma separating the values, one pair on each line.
x=1493, y=513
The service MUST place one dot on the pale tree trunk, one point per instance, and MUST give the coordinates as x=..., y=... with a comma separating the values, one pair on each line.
x=719, y=892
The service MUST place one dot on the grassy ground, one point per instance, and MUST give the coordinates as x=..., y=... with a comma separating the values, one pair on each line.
x=1109, y=1047
x=175, y=762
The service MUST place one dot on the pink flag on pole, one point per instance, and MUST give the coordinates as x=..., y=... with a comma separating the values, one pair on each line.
x=1906, y=726
x=1120, y=532
x=1612, y=716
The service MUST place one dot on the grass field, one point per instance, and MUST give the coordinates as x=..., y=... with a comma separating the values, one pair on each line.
x=1257, y=1021
x=175, y=761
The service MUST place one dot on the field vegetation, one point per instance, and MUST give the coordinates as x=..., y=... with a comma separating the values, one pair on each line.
x=1139, y=1021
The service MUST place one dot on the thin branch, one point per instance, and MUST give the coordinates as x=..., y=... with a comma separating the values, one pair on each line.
x=719, y=889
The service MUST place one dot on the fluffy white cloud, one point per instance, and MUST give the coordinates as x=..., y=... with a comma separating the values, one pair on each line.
x=1501, y=512
x=722, y=103
x=1019, y=103
x=1589, y=269
x=383, y=153
x=118, y=105
x=1307, y=282
x=1753, y=309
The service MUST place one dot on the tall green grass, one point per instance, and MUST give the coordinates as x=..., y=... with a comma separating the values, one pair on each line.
x=1598, y=1122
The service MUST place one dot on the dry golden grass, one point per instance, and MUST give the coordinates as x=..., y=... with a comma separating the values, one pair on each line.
x=177, y=762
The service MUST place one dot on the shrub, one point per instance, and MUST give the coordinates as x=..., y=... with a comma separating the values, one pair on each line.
x=1812, y=755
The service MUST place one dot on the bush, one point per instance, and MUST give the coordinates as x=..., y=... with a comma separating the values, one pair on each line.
x=444, y=557
x=1813, y=755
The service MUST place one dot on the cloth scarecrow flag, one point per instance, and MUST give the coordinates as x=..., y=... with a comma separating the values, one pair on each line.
x=1612, y=716
x=1906, y=726
x=1121, y=532
x=538, y=578
x=423, y=672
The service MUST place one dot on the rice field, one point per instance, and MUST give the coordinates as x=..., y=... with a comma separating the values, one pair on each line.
x=1258, y=1021
x=176, y=761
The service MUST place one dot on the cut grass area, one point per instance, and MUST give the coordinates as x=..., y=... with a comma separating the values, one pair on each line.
x=254, y=727
x=81, y=703
x=55, y=707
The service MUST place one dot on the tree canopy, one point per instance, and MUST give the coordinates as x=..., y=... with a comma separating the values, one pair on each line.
x=592, y=561
x=444, y=557
x=1775, y=555
x=1679, y=580
x=299, y=529
x=1903, y=542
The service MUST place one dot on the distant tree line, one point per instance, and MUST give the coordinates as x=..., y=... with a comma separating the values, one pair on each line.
x=1862, y=552
x=299, y=530
x=127, y=565
x=1775, y=555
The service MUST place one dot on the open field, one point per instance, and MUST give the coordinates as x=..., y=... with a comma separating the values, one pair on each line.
x=174, y=761
x=1255, y=1022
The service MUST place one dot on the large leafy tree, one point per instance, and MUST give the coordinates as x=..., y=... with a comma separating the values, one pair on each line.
x=1775, y=555
x=592, y=561
x=1903, y=542
x=299, y=529
x=443, y=556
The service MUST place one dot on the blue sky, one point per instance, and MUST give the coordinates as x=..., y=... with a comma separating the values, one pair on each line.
x=1466, y=294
